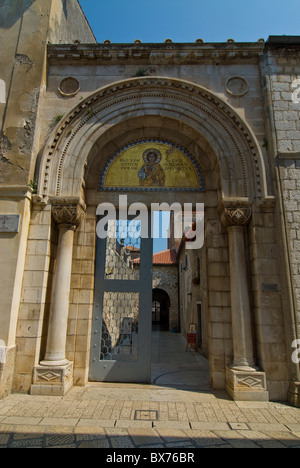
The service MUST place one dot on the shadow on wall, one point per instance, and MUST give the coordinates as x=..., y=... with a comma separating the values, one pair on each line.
x=65, y=8
x=12, y=11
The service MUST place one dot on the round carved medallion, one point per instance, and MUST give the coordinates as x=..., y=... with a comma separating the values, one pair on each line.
x=237, y=86
x=69, y=87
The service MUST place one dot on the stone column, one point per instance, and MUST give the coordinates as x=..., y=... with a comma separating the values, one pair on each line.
x=57, y=332
x=54, y=375
x=243, y=380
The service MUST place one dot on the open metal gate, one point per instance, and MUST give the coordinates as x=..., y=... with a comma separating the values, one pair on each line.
x=122, y=316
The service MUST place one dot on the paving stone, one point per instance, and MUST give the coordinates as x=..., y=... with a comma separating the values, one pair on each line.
x=49, y=430
x=67, y=446
x=204, y=438
x=170, y=435
x=293, y=427
x=59, y=439
x=71, y=422
x=86, y=437
x=286, y=438
x=22, y=421
x=4, y=438
x=236, y=439
x=269, y=444
x=186, y=444
x=121, y=442
x=242, y=443
x=33, y=431
x=223, y=423
x=210, y=426
x=95, y=443
x=169, y=424
x=99, y=423
x=27, y=442
x=152, y=446
x=133, y=424
x=268, y=427
x=238, y=426
x=27, y=436
x=144, y=436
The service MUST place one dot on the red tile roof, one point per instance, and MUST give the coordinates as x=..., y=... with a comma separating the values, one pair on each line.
x=167, y=257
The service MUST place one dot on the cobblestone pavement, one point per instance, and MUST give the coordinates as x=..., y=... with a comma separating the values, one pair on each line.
x=135, y=416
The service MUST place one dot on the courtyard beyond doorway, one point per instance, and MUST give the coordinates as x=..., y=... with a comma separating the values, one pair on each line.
x=173, y=366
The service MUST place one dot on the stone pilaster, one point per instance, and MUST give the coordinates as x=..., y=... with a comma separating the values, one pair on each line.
x=243, y=380
x=54, y=375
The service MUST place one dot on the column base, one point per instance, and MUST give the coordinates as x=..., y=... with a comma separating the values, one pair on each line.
x=294, y=394
x=245, y=385
x=52, y=380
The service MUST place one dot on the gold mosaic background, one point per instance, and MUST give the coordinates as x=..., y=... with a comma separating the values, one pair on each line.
x=174, y=170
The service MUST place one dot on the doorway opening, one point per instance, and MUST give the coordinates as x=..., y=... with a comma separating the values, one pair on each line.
x=173, y=365
x=137, y=335
x=160, y=310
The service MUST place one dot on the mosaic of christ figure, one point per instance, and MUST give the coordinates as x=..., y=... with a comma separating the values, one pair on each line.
x=152, y=174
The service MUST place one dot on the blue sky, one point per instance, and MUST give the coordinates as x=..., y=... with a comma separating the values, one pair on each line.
x=161, y=224
x=188, y=20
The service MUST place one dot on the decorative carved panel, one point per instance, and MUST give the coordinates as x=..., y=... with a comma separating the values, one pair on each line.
x=67, y=211
x=236, y=216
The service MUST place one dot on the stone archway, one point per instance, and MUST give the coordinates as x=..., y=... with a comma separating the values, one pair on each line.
x=206, y=118
x=233, y=167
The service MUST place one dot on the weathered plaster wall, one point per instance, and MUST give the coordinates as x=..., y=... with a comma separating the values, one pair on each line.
x=13, y=200
x=26, y=26
x=68, y=24
x=25, y=29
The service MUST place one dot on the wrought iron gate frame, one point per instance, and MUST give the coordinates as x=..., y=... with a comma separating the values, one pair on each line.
x=124, y=371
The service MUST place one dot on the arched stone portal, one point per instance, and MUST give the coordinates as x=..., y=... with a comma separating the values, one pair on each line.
x=235, y=197
x=119, y=109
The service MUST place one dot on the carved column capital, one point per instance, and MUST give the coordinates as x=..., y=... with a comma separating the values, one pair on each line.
x=68, y=211
x=236, y=215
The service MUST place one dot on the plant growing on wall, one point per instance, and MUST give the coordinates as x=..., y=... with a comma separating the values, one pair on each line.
x=57, y=118
x=141, y=72
x=33, y=184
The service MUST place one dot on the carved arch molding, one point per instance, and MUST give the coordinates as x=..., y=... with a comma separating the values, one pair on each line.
x=228, y=135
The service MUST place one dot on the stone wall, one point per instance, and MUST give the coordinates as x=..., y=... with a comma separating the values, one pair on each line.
x=25, y=29
x=34, y=308
x=82, y=297
x=219, y=303
x=282, y=95
x=267, y=298
x=214, y=292
x=193, y=290
x=290, y=179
